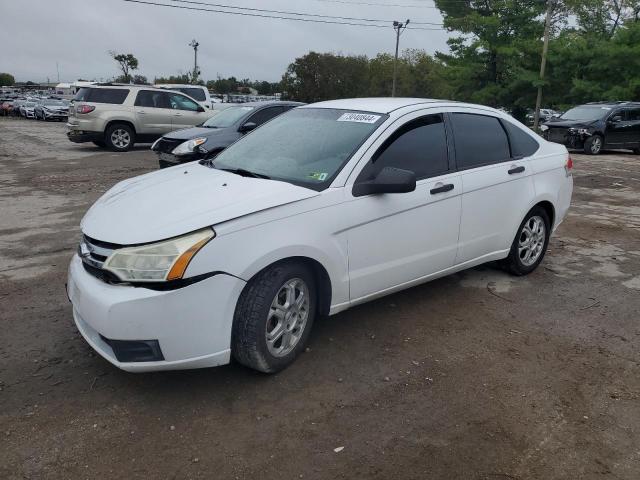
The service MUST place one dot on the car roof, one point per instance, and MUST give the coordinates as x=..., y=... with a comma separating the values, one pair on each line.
x=264, y=103
x=376, y=104
x=612, y=104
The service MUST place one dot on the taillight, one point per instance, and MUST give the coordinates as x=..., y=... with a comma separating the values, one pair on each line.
x=568, y=167
x=85, y=109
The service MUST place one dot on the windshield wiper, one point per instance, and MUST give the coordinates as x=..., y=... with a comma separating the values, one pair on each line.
x=244, y=173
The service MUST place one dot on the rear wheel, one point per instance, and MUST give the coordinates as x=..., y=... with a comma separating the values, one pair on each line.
x=274, y=316
x=593, y=145
x=119, y=137
x=530, y=244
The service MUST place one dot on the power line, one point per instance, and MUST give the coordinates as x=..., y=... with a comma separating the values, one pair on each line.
x=402, y=5
x=260, y=15
x=283, y=12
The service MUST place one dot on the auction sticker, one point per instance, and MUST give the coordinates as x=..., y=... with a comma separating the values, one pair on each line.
x=358, y=117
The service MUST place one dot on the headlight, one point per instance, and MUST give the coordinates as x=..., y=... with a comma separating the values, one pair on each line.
x=544, y=128
x=188, y=146
x=157, y=262
x=583, y=131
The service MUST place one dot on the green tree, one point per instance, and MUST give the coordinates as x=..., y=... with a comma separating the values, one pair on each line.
x=127, y=63
x=6, y=79
x=497, y=52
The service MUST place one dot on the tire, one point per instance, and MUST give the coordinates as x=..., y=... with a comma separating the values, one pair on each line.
x=99, y=143
x=593, y=145
x=523, y=260
x=119, y=137
x=255, y=318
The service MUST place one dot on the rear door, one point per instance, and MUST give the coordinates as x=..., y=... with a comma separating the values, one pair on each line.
x=153, y=112
x=185, y=112
x=497, y=184
x=398, y=238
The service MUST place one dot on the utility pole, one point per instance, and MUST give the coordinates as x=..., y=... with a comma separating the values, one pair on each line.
x=58, y=70
x=196, y=72
x=399, y=28
x=543, y=63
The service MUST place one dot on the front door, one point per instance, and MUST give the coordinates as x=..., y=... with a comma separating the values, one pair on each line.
x=185, y=112
x=398, y=238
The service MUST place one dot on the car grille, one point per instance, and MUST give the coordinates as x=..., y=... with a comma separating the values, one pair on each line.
x=93, y=254
x=166, y=145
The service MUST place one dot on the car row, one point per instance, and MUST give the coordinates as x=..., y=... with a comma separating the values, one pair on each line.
x=322, y=208
x=596, y=126
x=35, y=108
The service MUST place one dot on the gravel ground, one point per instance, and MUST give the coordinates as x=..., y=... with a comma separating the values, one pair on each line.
x=478, y=375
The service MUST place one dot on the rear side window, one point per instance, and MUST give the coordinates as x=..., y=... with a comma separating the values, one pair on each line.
x=633, y=115
x=102, y=95
x=522, y=145
x=152, y=99
x=419, y=146
x=480, y=140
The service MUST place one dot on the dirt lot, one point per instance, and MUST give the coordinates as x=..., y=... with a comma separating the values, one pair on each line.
x=475, y=376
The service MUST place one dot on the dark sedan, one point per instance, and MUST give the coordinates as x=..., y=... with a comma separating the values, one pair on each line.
x=209, y=139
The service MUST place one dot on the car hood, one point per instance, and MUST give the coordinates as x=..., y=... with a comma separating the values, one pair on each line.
x=174, y=201
x=562, y=123
x=189, y=133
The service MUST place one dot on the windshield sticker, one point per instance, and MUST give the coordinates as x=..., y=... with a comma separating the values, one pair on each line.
x=358, y=117
x=318, y=176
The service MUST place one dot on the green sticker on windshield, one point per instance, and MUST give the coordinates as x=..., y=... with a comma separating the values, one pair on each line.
x=321, y=176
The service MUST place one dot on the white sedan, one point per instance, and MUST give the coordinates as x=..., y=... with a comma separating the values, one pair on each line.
x=325, y=207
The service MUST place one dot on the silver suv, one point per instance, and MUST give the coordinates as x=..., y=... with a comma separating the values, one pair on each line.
x=118, y=116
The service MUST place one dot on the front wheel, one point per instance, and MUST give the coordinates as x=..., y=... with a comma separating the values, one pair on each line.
x=119, y=137
x=593, y=145
x=530, y=244
x=274, y=316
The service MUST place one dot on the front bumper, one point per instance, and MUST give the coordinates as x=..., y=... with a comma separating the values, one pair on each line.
x=192, y=325
x=55, y=115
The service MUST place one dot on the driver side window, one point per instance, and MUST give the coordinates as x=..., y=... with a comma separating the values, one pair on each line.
x=180, y=102
x=419, y=146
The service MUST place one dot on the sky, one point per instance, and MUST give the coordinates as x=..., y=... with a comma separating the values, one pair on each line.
x=78, y=34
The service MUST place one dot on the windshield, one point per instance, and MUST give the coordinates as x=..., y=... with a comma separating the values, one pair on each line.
x=196, y=93
x=52, y=102
x=307, y=146
x=227, y=117
x=585, y=113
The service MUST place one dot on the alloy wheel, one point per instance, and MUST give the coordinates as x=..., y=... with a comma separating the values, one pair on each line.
x=287, y=317
x=532, y=239
x=120, y=138
x=596, y=145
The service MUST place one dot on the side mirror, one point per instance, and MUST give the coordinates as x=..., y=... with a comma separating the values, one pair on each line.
x=388, y=180
x=616, y=119
x=247, y=127
x=200, y=108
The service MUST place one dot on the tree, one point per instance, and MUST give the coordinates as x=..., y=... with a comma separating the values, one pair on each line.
x=6, y=79
x=127, y=62
x=497, y=48
x=136, y=79
x=602, y=18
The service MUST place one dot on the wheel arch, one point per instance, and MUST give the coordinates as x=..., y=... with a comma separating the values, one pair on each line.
x=128, y=123
x=322, y=278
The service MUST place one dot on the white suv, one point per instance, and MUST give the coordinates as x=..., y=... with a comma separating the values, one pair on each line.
x=324, y=207
x=197, y=92
x=118, y=116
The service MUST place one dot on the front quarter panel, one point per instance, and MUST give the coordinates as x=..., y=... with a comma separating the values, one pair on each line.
x=311, y=228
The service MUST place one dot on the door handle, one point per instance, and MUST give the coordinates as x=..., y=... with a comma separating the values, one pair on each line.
x=515, y=169
x=141, y=112
x=442, y=188
x=177, y=114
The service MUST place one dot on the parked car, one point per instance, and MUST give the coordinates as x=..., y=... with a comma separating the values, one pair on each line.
x=595, y=126
x=217, y=133
x=197, y=92
x=50, y=109
x=325, y=207
x=546, y=114
x=27, y=109
x=6, y=107
x=118, y=116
